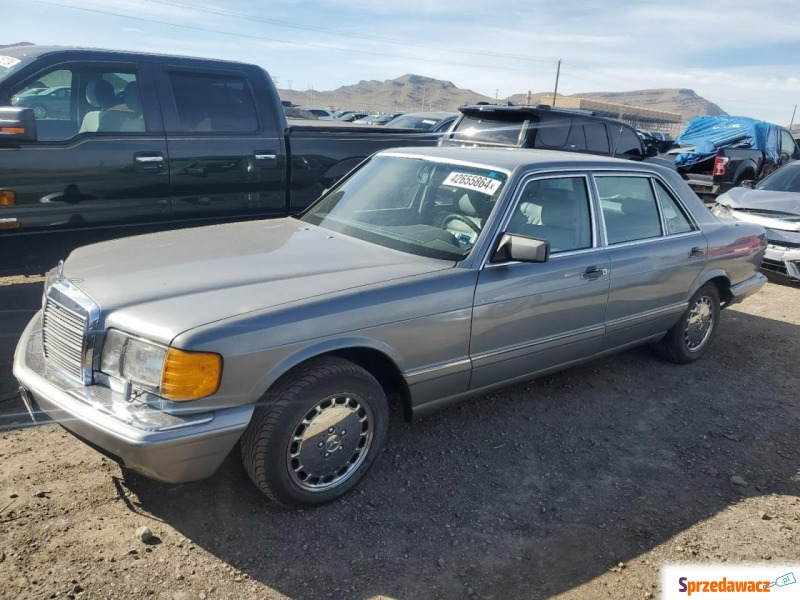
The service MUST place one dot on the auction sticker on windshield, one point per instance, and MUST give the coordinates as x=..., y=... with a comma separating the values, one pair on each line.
x=478, y=183
x=8, y=61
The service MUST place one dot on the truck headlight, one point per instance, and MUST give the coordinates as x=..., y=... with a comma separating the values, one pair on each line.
x=173, y=374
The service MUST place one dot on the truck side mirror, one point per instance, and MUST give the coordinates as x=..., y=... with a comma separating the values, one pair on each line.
x=17, y=124
x=650, y=151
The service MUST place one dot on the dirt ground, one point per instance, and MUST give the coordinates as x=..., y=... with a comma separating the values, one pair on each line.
x=578, y=485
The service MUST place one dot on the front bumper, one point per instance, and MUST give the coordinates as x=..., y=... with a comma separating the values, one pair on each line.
x=170, y=448
x=783, y=260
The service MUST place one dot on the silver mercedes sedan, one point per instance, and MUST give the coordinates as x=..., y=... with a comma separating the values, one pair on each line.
x=426, y=276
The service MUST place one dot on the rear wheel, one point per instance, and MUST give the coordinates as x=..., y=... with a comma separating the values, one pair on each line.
x=691, y=336
x=317, y=433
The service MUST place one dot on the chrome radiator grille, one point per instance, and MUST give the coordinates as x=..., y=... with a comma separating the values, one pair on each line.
x=63, y=337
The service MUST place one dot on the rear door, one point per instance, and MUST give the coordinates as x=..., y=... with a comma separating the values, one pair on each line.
x=100, y=157
x=226, y=154
x=656, y=251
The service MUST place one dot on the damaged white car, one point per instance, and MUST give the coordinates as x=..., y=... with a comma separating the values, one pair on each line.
x=773, y=203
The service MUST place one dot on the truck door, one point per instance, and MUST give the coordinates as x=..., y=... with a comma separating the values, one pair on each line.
x=100, y=156
x=225, y=157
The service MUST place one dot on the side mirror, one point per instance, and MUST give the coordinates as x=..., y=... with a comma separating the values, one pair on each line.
x=650, y=151
x=521, y=248
x=17, y=124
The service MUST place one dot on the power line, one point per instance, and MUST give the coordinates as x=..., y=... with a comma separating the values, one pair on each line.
x=281, y=23
x=261, y=38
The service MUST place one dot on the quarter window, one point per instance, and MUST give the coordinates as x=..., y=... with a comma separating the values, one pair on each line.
x=556, y=210
x=213, y=103
x=674, y=217
x=630, y=210
x=624, y=141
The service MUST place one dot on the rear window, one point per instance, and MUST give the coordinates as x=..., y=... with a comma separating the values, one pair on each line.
x=213, y=103
x=490, y=131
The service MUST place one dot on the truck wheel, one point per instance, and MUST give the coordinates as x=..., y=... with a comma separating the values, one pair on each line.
x=39, y=112
x=691, y=336
x=316, y=434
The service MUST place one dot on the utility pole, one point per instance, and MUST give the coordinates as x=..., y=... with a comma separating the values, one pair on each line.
x=558, y=73
x=794, y=112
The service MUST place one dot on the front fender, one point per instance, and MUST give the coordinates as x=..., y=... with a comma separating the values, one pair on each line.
x=320, y=348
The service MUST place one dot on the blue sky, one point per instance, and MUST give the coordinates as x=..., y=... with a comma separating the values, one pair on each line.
x=743, y=55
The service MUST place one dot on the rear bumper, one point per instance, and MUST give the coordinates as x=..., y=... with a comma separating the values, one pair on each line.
x=170, y=448
x=746, y=288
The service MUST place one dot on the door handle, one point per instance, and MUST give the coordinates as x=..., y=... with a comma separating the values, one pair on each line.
x=265, y=159
x=148, y=161
x=696, y=252
x=592, y=273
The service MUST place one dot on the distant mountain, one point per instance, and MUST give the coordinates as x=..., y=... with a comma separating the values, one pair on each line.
x=17, y=44
x=682, y=101
x=417, y=93
x=405, y=94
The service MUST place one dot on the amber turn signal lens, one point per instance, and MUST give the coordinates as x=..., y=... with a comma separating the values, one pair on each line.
x=7, y=198
x=190, y=375
x=13, y=130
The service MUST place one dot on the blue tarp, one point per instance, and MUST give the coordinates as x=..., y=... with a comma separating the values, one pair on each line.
x=708, y=134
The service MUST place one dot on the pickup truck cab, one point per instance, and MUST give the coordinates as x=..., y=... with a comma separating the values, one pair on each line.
x=158, y=141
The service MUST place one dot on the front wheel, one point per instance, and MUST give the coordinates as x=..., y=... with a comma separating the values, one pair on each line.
x=39, y=111
x=317, y=434
x=691, y=336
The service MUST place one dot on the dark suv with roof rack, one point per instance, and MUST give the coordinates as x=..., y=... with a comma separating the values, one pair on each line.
x=548, y=128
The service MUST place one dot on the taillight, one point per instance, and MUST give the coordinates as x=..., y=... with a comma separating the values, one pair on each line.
x=720, y=164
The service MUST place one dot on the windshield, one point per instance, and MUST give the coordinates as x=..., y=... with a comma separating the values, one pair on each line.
x=416, y=205
x=786, y=179
x=11, y=60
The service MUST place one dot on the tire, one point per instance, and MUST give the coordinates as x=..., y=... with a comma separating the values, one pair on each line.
x=39, y=112
x=296, y=448
x=689, y=339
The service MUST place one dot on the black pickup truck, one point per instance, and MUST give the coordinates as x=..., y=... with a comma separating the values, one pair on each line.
x=143, y=142
x=716, y=154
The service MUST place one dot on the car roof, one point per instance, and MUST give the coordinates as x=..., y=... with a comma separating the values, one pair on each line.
x=35, y=51
x=505, y=112
x=512, y=158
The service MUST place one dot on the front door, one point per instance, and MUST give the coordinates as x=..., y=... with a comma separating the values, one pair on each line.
x=100, y=157
x=531, y=317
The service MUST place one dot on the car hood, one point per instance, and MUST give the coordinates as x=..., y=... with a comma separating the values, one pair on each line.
x=162, y=284
x=747, y=198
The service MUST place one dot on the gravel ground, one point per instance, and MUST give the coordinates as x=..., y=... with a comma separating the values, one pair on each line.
x=578, y=485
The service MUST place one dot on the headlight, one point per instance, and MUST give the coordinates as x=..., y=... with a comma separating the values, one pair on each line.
x=173, y=374
x=721, y=211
